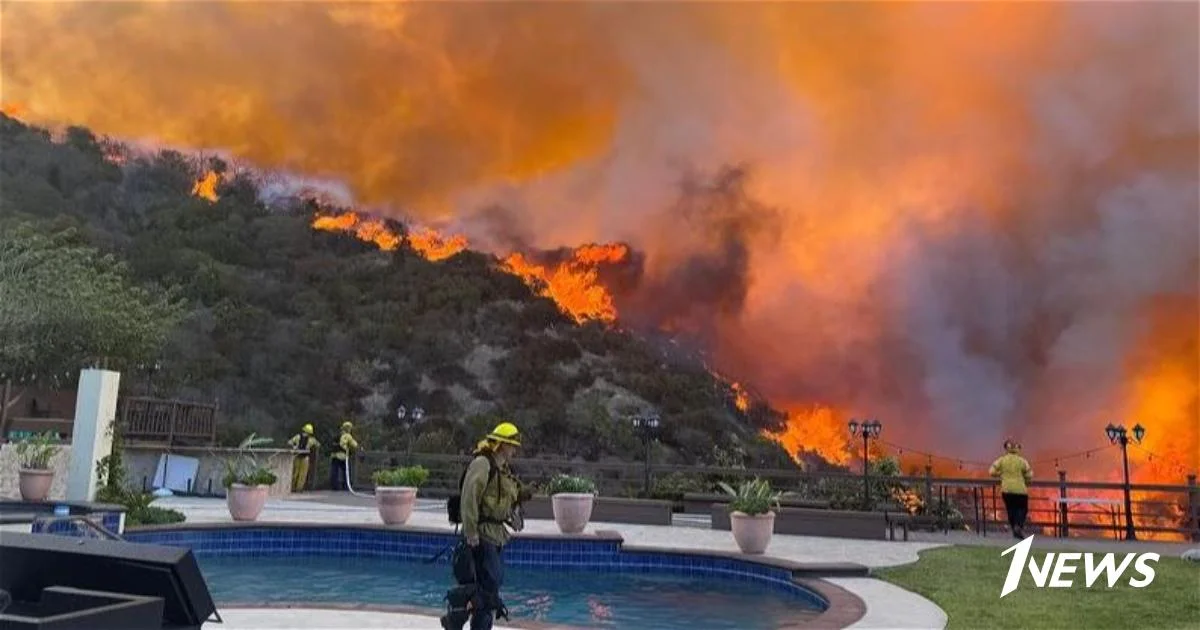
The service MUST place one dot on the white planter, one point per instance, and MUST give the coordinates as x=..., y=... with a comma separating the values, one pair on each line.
x=246, y=502
x=395, y=504
x=572, y=511
x=752, y=533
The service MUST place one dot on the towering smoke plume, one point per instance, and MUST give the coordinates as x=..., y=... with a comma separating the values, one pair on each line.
x=977, y=218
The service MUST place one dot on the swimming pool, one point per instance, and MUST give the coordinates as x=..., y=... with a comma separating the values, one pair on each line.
x=573, y=582
x=576, y=598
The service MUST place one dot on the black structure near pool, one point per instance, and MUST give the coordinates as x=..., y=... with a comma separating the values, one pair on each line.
x=569, y=581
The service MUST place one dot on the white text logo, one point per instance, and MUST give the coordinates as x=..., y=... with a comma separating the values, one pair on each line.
x=1066, y=563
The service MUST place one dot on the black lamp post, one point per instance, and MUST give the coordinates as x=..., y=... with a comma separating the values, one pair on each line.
x=869, y=429
x=647, y=426
x=1118, y=435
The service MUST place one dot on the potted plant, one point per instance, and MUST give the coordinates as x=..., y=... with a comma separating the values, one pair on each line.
x=396, y=492
x=571, y=499
x=36, y=476
x=752, y=514
x=246, y=482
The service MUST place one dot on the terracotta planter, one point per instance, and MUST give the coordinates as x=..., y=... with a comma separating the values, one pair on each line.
x=572, y=511
x=35, y=483
x=395, y=503
x=246, y=502
x=752, y=533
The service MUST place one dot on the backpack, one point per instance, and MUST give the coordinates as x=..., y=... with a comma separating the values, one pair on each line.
x=454, y=503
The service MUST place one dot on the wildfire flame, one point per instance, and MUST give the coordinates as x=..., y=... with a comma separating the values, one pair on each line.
x=206, y=186
x=573, y=283
x=815, y=428
x=434, y=246
x=13, y=110
x=370, y=230
x=741, y=399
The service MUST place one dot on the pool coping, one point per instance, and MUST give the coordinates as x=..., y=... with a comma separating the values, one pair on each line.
x=843, y=607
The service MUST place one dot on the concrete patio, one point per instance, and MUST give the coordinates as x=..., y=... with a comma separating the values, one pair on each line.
x=887, y=606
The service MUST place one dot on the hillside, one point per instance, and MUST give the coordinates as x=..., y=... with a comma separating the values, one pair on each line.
x=286, y=324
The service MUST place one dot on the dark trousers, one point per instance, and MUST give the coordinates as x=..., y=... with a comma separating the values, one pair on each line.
x=489, y=575
x=337, y=474
x=1017, y=506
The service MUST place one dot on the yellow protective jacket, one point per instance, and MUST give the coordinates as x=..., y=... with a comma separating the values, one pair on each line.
x=487, y=504
x=346, y=445
x=1014, y=472
x=309, y=446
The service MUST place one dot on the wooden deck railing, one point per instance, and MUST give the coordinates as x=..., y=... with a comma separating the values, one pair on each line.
x=169, y=421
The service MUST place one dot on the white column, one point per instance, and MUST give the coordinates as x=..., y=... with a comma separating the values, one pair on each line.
x=91, y=439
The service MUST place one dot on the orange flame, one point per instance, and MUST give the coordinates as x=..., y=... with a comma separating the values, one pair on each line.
x=818, y=429
x=573, y=284
x=206, y=187
x=741, y=398
x=433, y=246
x=13, y=110
x=370, y=230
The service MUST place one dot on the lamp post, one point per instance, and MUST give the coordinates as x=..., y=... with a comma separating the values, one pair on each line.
x=869, y=429
x=647, y=426
x=1118, y=435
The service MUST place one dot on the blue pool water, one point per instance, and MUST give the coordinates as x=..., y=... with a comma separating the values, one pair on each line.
x=577, y=598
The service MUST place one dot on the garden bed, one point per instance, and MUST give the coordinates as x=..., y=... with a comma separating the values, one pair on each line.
x=816, y=522
x=610, y=510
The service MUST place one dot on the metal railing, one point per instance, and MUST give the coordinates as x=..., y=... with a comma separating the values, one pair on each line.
x=1166, y=509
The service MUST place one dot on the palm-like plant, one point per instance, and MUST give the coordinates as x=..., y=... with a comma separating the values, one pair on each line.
x=752, y=497
x=244, y=468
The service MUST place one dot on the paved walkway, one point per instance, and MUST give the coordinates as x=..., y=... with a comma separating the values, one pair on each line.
x=888, y=606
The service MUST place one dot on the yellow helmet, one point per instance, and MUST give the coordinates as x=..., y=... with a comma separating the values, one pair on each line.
x=506, y=433
x=347, y=425
x=308, y=428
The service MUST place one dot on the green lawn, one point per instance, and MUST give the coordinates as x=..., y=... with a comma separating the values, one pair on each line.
x=966, y=581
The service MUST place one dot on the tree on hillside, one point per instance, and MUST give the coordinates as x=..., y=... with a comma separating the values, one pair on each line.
x=64, y=305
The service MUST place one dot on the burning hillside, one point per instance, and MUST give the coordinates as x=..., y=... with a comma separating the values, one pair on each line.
x=969, y=220
x=570, y=277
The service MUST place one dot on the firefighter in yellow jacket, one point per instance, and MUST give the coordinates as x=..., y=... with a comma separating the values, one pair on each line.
x=342, y=452
x=303, y=441
x=490, y=495
x=1015, y=474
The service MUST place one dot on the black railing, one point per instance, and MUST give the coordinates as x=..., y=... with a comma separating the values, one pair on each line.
x=1158, y=508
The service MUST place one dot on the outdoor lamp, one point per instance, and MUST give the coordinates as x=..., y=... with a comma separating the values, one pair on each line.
x=854, y=427
x=876, y=427
x=1139, y=432
x=1112, y=432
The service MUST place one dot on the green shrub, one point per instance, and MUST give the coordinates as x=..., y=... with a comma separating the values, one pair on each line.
x=672, y=487
x=35, y=451
x=150, y=515
x=752, y=497
x=407, y=477
x=561, y=484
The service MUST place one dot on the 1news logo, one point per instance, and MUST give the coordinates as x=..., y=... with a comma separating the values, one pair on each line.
x=1066, y=563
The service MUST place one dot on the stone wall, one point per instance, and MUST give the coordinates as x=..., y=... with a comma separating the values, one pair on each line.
x=10, y=481
x=142, y=461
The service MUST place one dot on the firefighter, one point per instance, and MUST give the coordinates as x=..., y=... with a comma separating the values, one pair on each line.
x=490, y=494
x=303, y=441
x=340, y=457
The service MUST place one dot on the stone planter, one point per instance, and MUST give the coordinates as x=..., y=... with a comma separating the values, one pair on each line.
x=752, y=533
x=246, y=502
x=572, y=511
x=395, y=503
x=35, y=483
